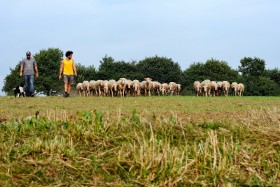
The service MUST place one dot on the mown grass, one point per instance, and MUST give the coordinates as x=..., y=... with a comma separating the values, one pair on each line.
x=157, y=141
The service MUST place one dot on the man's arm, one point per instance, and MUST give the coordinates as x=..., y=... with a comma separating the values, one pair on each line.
x=21, y=68
x=37, y=73
x=74, y=68
x=60, y=70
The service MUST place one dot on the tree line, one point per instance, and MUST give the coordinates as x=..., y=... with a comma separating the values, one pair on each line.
x=252, y=72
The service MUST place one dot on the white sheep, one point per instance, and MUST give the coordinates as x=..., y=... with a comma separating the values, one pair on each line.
x=174, y=88
x=206, y=87
x=156, y=87
x=79, y=88
x=197, y=88
x=105, y=88
x=143, y=87
x=122, y=86
x=136, y=87
x=164, y=88
x=214, y=88
x=129, y=88
x=148, y=86
x=225, y=86
x=233, y=87
x=240, y=89
x=92, y=87
x=86, y=89
x=113, y=87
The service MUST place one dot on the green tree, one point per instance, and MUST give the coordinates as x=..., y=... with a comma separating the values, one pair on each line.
x=261, y=86
x=212, y=69
x=274, y=75
x=85, y=73
x=252, y=67
x=160, y=69
x=194, y=73
x=219, y=71
x=268, y=87
x=12, y=80
x=111, y=69
x=258, y=81
x=106, y=68
x=48, y=62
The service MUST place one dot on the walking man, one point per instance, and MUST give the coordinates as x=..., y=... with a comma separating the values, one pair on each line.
x=69, y=70
x=27, y=66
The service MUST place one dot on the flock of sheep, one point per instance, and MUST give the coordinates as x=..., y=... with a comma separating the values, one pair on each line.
x=125, y=87
x=208, y=88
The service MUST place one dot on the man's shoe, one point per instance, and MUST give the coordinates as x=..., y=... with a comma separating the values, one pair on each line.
x=65, y=94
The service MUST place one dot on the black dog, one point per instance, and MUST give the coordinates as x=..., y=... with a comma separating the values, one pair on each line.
x=19, y=90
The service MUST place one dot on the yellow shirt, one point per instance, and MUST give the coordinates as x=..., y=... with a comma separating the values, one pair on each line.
x=68, y=67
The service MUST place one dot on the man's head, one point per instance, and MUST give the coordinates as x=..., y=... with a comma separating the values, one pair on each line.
x=28, y=55
x=69, y=54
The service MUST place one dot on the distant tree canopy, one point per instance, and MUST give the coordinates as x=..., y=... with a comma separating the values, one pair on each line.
x=274, y=75
x=160, y=69
x=48, y=62
x=219, y=71
x=251, y=72
x=12, y=80
x=85, y=73
x=111, y=69
x=259, y=81
x=212, y=69
x=254, y=67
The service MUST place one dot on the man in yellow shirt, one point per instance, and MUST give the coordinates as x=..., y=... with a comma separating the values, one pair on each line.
x=69, y=70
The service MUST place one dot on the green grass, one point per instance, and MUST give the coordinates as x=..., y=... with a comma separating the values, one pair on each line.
x=156, y=141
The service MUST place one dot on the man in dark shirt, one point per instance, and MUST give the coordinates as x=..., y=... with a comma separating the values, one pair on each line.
x=28, y=65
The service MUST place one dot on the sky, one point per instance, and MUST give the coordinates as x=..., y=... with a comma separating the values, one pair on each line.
x=187, y=31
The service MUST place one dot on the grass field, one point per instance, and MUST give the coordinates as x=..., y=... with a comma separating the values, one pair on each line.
x=144, y=141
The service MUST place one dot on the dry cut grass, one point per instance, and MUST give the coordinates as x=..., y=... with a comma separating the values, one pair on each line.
x=179, y=141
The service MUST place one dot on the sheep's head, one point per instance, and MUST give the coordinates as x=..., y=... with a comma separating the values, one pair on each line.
x=122, y=81
x=162, y=88
x=240, y=87
x=235, y=88
x=115, y=87
x=198, y=88
x=205, y=87
x=135, y=87
x=148, y=79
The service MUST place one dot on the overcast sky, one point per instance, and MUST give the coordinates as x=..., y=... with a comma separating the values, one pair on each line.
x=185, y=30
